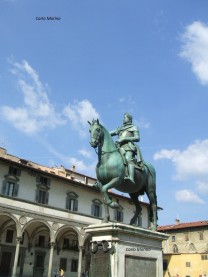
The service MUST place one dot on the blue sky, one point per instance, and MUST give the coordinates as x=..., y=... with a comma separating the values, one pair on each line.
x=100, y=59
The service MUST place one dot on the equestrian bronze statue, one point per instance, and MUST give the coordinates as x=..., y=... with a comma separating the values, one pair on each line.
x=118, y=168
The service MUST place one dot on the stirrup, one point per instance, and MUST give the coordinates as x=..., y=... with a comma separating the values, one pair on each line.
x=127, y=178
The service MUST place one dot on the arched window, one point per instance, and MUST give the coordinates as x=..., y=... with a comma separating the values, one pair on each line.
x=175, y=249
x=72, y=201
x=96, y=208
x=192, y=247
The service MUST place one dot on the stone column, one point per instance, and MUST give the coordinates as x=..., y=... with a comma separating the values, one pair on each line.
x=80, y=261
x=14, y=272
x=51, y=259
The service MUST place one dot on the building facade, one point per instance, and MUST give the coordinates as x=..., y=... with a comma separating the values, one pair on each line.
x=43, y=215
x=186, y=250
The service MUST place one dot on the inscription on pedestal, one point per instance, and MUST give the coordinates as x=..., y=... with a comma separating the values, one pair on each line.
x=100, y=260
x=140, y=267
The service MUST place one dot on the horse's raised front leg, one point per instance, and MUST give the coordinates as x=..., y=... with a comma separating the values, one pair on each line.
x=106, y=199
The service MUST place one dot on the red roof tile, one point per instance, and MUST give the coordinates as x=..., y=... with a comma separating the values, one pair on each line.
x=182, y=225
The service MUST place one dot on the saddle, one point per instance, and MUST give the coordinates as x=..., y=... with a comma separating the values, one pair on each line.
x=138, y=163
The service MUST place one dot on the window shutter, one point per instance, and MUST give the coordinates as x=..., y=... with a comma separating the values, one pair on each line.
x=3, y=190
x=48, y=182
x=121, y=216
x=10, y=170
x=18, y=171
x=67, y=202
x=47, y=197
x=16, y=188
x=76, y=205
x=38, y=178
x=100, y=213
x=92, y=209
x=37, y=195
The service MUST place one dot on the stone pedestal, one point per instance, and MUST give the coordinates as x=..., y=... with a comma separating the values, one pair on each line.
x=120, y=250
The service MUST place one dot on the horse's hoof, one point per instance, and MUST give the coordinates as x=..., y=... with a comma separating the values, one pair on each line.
x=105, y=220
x=114, y=205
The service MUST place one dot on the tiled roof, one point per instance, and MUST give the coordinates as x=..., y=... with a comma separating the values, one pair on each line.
x=182, y=225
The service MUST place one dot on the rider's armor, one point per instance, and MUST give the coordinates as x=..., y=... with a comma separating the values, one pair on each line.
x=127, y=131
x=128, y=148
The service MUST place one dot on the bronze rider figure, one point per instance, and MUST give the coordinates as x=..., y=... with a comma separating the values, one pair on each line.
x=127, y=135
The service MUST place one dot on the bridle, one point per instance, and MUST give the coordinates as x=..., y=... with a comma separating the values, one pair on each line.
x=96, y=136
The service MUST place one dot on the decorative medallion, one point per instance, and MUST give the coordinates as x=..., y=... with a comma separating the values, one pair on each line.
x=55, y=226
x=23, y=220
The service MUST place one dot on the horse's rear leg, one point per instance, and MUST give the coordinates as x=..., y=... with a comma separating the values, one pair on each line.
x=107, y=214
x=134, y=198
x=153, y=208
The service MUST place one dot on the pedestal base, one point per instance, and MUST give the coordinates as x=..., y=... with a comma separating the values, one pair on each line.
x=120, y=250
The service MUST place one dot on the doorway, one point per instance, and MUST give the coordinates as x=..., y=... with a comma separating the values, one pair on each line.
x=5, y=264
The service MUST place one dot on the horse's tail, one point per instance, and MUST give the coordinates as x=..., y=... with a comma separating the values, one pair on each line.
x=150, y=169
x=152, y=172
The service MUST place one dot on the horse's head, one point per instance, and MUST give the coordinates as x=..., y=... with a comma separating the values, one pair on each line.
x=95, y=133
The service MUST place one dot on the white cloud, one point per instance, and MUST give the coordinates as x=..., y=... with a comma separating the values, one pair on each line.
x=79, y=113
x=192, y=161
x=37, y=113
x=143, y=123
x=85, y=153
x=81, y=166
x=188, y=196
x=194, y=49
x=202, y=187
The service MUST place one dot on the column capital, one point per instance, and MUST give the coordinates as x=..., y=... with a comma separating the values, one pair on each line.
x=80, y=247
x=52, y=244
x=18, y=239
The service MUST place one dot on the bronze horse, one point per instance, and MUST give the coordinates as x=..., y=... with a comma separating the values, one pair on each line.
x=110, y=171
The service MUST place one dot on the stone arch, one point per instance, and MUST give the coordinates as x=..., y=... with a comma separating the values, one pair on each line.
x=5, y=222
x=34, y=228
x=69, y=235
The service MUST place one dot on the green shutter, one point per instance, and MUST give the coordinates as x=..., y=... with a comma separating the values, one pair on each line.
x=16, y=188
x=76, y=205
x=3, y=190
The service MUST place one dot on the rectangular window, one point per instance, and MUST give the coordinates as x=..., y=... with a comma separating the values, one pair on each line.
x=72, y=204
x=63, y=264
x=188, y=264
x=201, y=236
x=96, y=210
x=165, y=264
x=66, y=244
x=9, y=191
x=41, y=241
x=74, y=242
x=204, y=257
x=43, y=180
x=173, y=238
x=186, y=237
x=9, y=236
x=74, y=265
x=39, y=261
x=118, y=215
x=14, y=171
x=42, y=196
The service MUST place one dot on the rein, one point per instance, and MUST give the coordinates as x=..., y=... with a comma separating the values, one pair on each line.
x=105, y=152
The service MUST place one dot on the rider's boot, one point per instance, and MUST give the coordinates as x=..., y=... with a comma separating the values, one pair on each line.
x=141, y=165
x=131, y=173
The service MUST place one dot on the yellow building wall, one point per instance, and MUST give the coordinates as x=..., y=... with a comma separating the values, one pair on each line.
x=177, y=265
